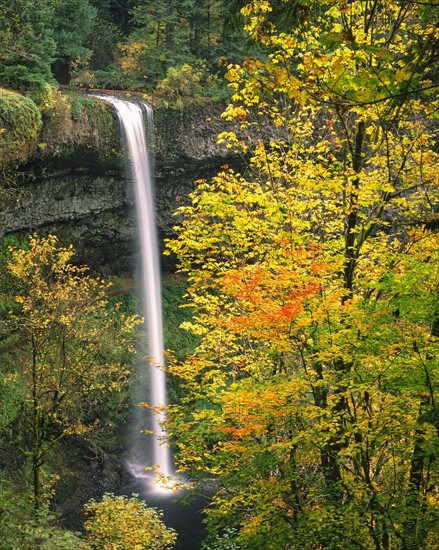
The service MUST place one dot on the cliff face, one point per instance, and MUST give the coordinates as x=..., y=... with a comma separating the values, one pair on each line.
x=74, y=182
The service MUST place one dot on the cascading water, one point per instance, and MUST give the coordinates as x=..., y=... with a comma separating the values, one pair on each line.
x=186, y=520
x=131, y=116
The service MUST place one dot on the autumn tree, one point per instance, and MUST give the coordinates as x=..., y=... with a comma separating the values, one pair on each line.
x=120, y=522
x=311, y=401
x=72, y=351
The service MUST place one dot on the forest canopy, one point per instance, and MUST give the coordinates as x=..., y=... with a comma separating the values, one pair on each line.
x=311, y=402
x=113, y=44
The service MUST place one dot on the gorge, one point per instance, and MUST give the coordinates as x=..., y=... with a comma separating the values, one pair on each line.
x=76, y=185
x=86, y=196
x=138, y=143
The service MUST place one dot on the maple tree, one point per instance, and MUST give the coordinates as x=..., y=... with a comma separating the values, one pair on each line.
x=74, y=349
x=311, y=400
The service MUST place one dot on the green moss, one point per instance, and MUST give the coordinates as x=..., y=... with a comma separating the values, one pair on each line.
x=77, y=126
x=180, y=341
x=97, y=125
x=64, y=127
x=20, y=127
x=57, y=120
x=77, y=106
x=94, y=131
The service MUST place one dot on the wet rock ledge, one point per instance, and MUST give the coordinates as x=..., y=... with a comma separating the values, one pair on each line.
x=63, y=158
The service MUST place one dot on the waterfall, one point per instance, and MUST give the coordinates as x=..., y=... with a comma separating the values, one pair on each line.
x=131, y=116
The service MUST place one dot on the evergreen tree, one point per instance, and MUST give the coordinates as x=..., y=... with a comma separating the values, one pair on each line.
x=27, y=42
x=72, y=24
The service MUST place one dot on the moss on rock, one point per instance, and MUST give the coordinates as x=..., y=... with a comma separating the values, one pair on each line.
x=75, y=125
x=51, y=125
x=20, y=127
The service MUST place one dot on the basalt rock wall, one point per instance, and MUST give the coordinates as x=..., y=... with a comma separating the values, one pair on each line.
x=73, y=181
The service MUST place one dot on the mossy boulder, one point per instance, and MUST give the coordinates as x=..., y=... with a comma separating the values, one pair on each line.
x=20, y=127
x=76, y=126
x=63, y=128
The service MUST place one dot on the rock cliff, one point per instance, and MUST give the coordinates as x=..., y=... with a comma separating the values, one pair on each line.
x=72, y=179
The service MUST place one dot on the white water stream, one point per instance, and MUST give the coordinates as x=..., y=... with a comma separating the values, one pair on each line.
x=186, y=520
x=131, y=116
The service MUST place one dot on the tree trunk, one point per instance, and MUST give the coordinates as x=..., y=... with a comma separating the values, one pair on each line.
x=196, y=28
x=36, y=445
x=36, y=471
x=351, y=254
x=170, y=26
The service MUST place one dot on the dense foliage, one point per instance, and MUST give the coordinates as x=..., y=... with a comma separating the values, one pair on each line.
x=111, y=44
x=65, y=368
x=311, y=401
x=309, y=406
x=21, y=527
x=61, y=359
x=119, y=522
x=37, y=33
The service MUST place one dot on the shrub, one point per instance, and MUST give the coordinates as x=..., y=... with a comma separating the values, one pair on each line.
x=119, y=522
x=187, y=85
x=21, y=528
x=20, y=126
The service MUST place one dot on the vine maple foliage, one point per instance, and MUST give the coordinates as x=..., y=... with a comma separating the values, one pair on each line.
x=118, y=522
x=69, y=355
x=310, y=402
